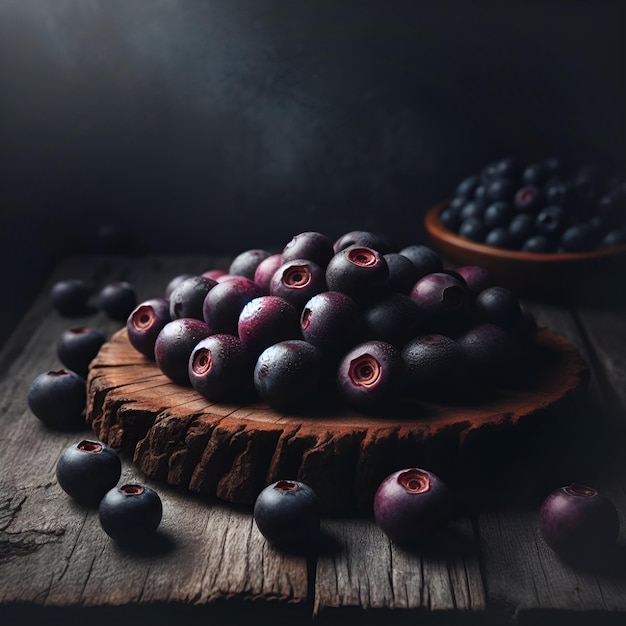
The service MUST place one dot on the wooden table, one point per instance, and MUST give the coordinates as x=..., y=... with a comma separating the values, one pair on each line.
x=490, y=566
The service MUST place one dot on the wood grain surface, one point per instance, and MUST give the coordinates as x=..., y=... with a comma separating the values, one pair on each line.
x=490, y=565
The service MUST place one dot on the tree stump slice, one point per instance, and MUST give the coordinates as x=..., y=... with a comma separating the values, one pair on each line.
x=232, y=451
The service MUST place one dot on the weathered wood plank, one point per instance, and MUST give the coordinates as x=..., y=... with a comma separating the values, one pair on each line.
x=522, y=574
x=364, y=569
x=606, y=332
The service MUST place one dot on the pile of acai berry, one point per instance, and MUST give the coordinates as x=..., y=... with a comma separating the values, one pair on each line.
x=349, y=321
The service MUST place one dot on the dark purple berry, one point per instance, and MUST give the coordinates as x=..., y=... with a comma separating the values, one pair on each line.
x=220, y=368
x=224, y=303
x=363, y=239
x=174, y=282
x=145, y=323
x=287, y=514
x=473, y=209
x=467, y=187
x=130, y=512
x=265, y=271
x=507, y=167
x=360, y=272
x=174, y=344
x=480, y=194
x=522, y=228
x=403, y=273
x=488, y=172
x=616, y=237
x=500, y=189
x=394, y=319
x=529, y=199
x=410, y=504
x=473, y=228
x=536, y=174
x=432, y=361
x=222, y=278
x=539, y=244
x=87, y=470
x=498, y=214
x=424, y=258
x=577, y=238
x=332, y=322
x=476, y=278
x=77, y=347
x=488, y=350
x=298, y=281
x=500, y=238
x=441, y=299
x=117, y=300
x=551, y=221
x=58, y=398
x=187, y=299
x=70, y=297
x=579, y=523
x=370, y=375
x=213, y=274
x=245, y=263
x=450, y=218
x=498, y=305
x=267, y=320
x=611, y=207
x=286, y=374
x=309, y=245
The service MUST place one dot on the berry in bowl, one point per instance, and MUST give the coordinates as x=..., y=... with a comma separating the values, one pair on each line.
x=540, y=228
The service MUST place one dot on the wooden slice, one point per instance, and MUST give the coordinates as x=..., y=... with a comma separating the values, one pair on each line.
x=232, y=451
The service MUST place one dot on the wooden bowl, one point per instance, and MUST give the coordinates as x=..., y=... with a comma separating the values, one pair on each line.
x=558, y=276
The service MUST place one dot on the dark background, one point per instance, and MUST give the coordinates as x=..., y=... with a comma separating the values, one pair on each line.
x=214, y=126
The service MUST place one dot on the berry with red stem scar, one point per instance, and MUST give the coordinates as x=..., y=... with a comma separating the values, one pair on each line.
x=411, y=503
x=87, y=470
x=287, y=514
x=130, y=512
x=145, y=323
x=297, y=281
x=370, y=375
x=220, y=368
x=360, y=272
x=579, y=523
